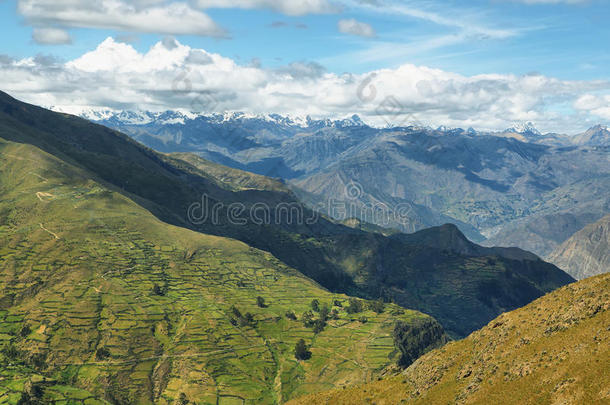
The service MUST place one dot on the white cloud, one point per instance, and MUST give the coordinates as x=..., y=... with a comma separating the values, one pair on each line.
x=289, y=7
x=51, y=36
x=354, y=27
x=171, y=75
x=594, y=104
x=176, y=18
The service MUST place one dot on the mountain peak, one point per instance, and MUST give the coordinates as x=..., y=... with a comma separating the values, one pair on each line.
x=598, y=127
x=526, y=128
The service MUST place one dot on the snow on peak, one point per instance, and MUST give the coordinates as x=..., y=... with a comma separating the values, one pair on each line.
x=524, y=128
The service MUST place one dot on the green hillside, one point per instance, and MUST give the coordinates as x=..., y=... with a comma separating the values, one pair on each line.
x=99, y=300
x=463, y=289
x=554, y=351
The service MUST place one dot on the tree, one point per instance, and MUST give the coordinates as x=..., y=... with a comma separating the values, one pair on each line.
x=260, y=301
x=236, y=312
x=157, y=290
x=183, y=399
x=355, y=306
x=307, y=318
x=377, y=306
x=26, y=330
x=102, y=353
x=247, y=320
x=301, y=351
x=291, y=315
x=315, y=305
x=337, y=303
x=324, y=312
x=318, y=326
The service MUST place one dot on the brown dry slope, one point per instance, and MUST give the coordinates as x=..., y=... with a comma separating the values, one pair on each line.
x=554, y=351
x=587, y=252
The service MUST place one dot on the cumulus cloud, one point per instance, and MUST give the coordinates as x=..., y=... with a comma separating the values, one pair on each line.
x=354, y=27
x=289, y=7
x=51, y=36
x=171, y=75
x=594, y=104
x=175, y=18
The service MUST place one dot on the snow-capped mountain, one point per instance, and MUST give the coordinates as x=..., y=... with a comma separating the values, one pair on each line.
x=122, y=118
x=526, y=128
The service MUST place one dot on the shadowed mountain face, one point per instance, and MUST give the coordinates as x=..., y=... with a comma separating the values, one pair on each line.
x=496, y=186
x=554, y=350
x=436, y=271
x=587, y=252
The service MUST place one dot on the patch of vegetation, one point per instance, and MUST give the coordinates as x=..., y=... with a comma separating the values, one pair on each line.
x=355, y=306
x=260, y=301
x=301, y=351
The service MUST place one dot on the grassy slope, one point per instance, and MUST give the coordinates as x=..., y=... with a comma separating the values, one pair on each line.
x=78, y=262
x=233, y=178
x=555, y=350
x=462, y=290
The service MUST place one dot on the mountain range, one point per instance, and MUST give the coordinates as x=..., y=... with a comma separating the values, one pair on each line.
x=115, y=289
x=516, y=187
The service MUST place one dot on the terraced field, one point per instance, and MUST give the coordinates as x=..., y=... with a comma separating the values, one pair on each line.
x=101, y=301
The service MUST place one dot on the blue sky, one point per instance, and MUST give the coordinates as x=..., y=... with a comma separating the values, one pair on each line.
x=558, y=39
x=568, y=41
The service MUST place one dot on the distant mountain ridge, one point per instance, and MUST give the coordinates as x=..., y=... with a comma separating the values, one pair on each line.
x=587, y=252
x=595, y=135
x=493, y=186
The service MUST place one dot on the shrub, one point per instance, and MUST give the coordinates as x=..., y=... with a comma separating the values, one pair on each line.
x=291, y=315
x=260, y=301
x=301, y=351
x=315, y=305
x=334, y=314
x=337, y=303
x=363, y=319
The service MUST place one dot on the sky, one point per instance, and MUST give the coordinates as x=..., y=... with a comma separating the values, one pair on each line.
x=486, y=64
